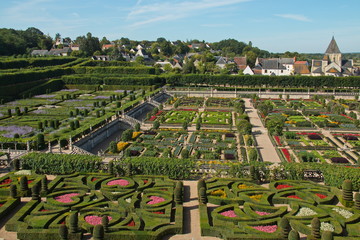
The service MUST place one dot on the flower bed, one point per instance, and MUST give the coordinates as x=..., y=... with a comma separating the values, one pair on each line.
x=66, y=198
x=286, y=154
x=126, y=208
x=294, y=200
x=120, y=182
x=95, y=220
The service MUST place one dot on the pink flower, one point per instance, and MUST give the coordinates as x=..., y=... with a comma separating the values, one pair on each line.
x=267, y=229
x=229, y=213
x=95, y=220
x=121, y=182
x=66, y=198
x=262, y=213
x=155, y=200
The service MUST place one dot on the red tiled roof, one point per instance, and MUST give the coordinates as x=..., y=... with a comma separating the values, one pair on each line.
x=301, y=62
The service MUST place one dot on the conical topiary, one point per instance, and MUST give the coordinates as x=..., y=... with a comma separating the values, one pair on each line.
x=347, y=190
x=293, y=235
x=201, y=184
x=63, y=232
x=357, y=201
x=315, y=227
x=24, y=183
x=327, y=235
x=98, y=232
x=178, y=195
x=128, y=170
x=111, y=167
x=73, y=222
x=252, y=173
x=202, y=196
x=35, y=194
x=16, y=164
x=284, y=227
x=13, y=191
x=105, y=223
x=44, y=186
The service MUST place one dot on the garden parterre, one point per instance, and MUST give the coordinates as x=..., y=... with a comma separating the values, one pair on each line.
x=141, y=206
x=246, y=210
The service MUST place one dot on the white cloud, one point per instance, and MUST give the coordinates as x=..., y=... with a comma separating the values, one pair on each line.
x=297, y=17
x=169, y=10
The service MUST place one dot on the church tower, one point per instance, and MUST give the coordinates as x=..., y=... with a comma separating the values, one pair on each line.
x=333, y=54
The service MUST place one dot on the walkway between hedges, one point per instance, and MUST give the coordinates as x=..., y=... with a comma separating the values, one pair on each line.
x=192, y=229
x=265, y=147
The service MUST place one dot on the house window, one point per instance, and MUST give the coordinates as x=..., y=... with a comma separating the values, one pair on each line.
x=265, y=71
x=282, y=71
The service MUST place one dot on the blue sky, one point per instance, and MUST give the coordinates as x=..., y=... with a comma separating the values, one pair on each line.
x=273, y=25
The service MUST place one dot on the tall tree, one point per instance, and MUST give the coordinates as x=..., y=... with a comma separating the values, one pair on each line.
x=88, y=44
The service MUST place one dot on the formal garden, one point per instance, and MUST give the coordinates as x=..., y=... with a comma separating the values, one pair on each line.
x=243, y=209
x=105, y=206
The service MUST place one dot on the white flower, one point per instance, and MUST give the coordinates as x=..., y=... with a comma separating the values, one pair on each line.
x=305, y=211
x=128, y=200
x=343, y=212
x=23, y=172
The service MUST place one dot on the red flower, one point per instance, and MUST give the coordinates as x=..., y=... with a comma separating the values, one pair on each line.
x=1, y=204
x=287, y=154
x=294, y=196
x=93, y=179
x=278, y=140
x=322, y=196
x=281, y=186
x=145, y=181
x=159, y=212
x=30, y=181
x=152, y=118
x=131, y=224
x=44, y=210
x=6, y=181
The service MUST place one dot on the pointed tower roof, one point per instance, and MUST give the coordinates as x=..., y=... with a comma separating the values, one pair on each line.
x=333, y=47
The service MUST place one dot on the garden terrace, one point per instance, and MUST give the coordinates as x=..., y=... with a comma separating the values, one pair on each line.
x=140, y=112
x=222, y=103
x=139, y=207
x=242, y=209
x=161, y=98
x=191, y=102
x=39, y=114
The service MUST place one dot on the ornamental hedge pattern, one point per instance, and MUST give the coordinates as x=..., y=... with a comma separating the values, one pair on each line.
x=140, y=207
x=246, y=210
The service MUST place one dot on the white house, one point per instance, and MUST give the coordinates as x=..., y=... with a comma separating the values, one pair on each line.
x=248, y=71
x=275, y=66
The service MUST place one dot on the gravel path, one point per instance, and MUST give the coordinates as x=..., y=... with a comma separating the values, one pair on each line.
x=266, y=148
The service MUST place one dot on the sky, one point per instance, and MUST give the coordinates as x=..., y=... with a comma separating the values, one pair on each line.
x=305, y=26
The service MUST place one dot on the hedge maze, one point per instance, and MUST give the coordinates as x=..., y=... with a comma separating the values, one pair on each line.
x=242, y=209
x=140, y=207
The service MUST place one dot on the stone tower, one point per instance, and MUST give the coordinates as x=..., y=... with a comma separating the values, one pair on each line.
x=333, y=54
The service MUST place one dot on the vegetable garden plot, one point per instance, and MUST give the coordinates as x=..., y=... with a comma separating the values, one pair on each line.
x=216, y=118
x=246, y=210
x=179, y=116
x=141, y=207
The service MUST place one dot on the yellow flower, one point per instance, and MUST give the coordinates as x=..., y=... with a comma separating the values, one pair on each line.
x=256, y=197
x=243, y=186
x=135, y=135
x=122, y=145
x=219, y=193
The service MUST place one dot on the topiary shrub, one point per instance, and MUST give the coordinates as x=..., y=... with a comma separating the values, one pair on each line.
x=98, y=232
x=357, y=201
x=285, y=228
x=128, y=170
x=16, y=164
x=201, y=184
x=178, y=195
x=111, y=167
x=327, y=235
x=105, y=223
x=44, y=186
x=315, y=227
x=293, y=235
x=24, y=183
x=347, y=197
x=347, y=190
x=63, y=232
x=13, y=191
x=74, y=222
x=35, y=193
x=202, y=196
